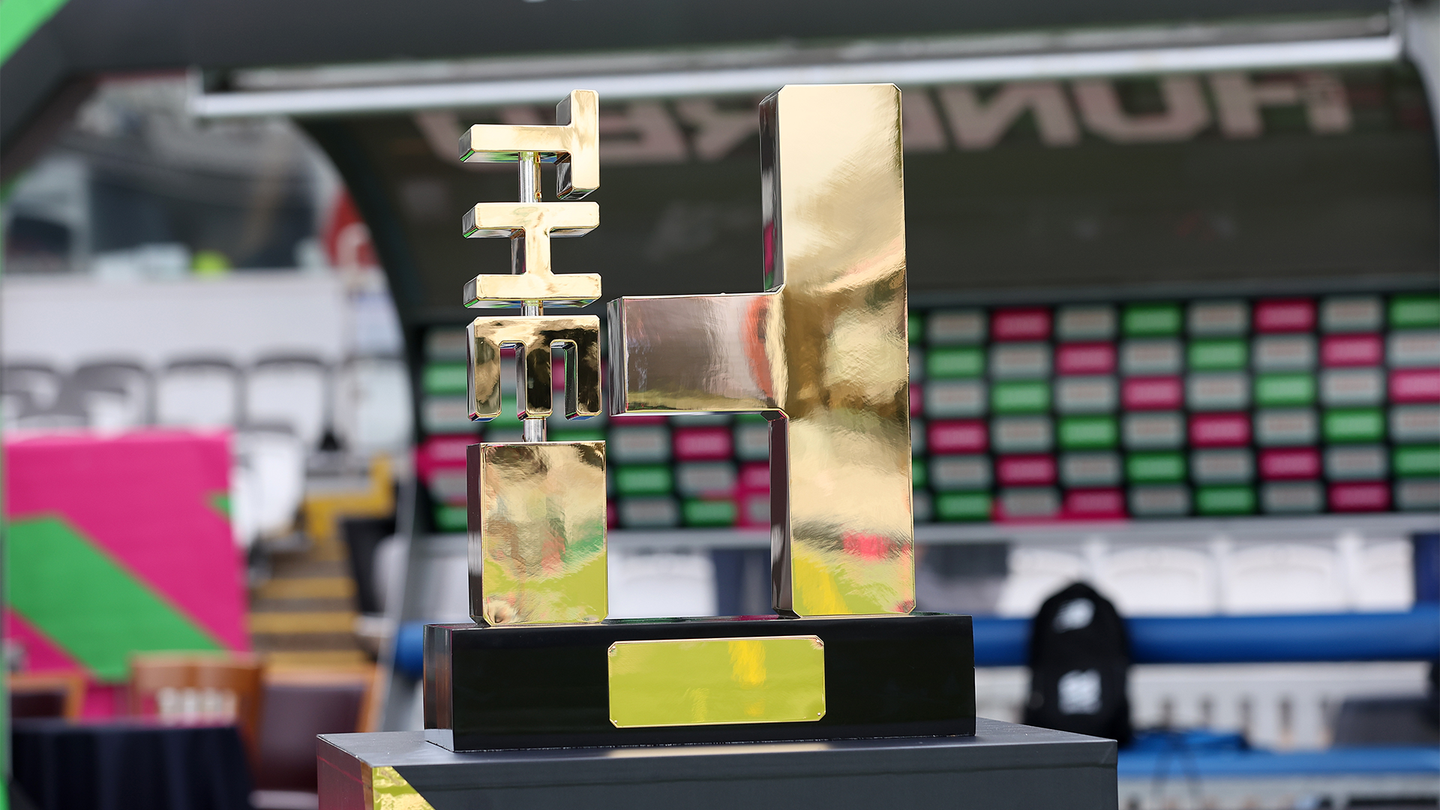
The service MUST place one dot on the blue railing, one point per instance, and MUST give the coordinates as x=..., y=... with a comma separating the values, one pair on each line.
x=1413, y=636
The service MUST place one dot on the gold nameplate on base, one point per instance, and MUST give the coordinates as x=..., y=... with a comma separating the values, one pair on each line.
x=771, y=679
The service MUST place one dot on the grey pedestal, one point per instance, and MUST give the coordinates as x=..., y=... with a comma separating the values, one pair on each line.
x=1002, y=766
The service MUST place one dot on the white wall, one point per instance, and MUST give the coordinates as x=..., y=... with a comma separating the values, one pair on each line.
x=67, y=320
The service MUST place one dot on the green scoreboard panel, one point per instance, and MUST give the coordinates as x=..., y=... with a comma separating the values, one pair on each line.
x=1211, y=407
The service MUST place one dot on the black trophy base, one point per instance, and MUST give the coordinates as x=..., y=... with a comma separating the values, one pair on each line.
x=1002, y=766
x=492, y=688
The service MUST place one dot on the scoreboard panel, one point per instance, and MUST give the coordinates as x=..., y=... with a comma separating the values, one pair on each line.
x=1168, y=408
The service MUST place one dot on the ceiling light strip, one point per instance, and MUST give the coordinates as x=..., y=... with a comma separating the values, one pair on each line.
x=683, y=84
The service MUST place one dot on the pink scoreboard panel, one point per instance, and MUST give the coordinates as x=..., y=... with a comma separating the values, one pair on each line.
x=1154, y=409
x=1174, y=408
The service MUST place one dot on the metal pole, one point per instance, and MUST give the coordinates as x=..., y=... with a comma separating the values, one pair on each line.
x=533, y=429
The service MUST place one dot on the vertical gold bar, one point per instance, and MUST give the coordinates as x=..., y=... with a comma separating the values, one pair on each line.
x=537, y=532
x=823, y=353
x=837, y=208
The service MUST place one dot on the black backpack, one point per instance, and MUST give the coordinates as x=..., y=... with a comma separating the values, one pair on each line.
x=1079, y=666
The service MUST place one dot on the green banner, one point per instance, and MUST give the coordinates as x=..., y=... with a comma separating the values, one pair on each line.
x=20, y=18
x=89, y=605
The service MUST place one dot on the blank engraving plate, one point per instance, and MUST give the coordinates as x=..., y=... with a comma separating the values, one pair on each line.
x=777, y=679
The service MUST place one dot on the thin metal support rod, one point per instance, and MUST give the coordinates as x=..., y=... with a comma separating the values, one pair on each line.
x=533, y=429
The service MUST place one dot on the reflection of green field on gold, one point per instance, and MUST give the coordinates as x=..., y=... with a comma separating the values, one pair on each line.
x=390, y=790
x=835, y=583
x=577, y=595
x=777, y=679
x=542, y=532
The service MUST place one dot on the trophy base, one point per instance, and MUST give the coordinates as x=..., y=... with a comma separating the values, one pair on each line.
x=1002, y=765
x=491, y=688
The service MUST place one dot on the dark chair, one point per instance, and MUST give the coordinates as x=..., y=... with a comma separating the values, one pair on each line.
x=38, y=383
x=298, y=705
x=133, y=380
x=1387, y=721
x=362, y=536
x=37, y=390
x=46, y=694
x=14, y=404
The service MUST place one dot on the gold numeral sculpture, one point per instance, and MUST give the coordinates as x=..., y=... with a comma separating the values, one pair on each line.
x=578, y=335
x=822, y=353
x=573, y=145
x=532, y=225
x=537, y=508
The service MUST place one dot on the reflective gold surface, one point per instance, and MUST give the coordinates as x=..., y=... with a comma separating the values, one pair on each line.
x=823, y=353
x=534, y=223
x=771, y=679
x=537, y=532
x=537, y=509
x=390, y=791
x=578, y=335
x=573, y=144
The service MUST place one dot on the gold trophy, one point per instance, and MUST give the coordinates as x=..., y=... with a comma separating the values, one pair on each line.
x=822, y=353
x=537, y=508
